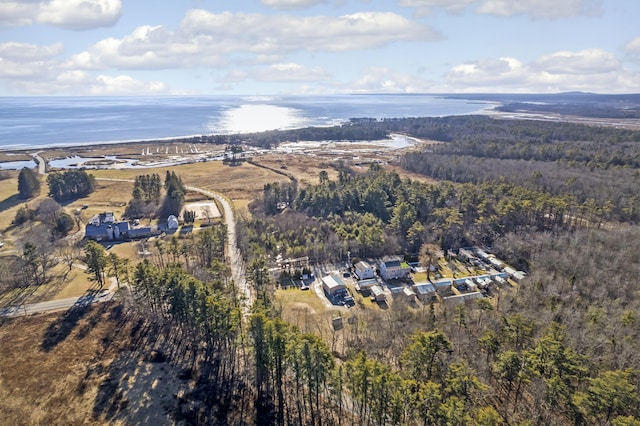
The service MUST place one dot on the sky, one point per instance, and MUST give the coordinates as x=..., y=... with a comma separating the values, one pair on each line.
x=309, y=47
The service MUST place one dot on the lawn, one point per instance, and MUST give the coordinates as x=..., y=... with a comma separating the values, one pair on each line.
x=304, y=310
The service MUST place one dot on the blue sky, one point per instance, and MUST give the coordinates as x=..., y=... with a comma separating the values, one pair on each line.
x=142, y=47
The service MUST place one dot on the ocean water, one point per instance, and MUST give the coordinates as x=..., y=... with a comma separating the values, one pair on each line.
x=38, y=122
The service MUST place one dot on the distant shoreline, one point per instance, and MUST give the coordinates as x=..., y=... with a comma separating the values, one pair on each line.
x=127, y=148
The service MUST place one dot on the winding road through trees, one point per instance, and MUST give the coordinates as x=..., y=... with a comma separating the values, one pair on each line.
x=236, y=263
x=238, y=268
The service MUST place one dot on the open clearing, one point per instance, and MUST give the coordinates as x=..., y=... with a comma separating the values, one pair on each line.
x=59, y=369
x=203, y=210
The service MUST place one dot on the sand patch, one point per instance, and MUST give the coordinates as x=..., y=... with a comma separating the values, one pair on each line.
x=203, y=209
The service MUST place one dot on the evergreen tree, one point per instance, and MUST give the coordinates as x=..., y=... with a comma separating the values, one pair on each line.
x=28, y=184
x=96, y=259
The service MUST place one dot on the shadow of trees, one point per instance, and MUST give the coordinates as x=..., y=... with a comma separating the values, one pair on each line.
x=201, y=392
x=61, y=328
x=9, y=202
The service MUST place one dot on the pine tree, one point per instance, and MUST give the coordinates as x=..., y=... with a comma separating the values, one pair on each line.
x=28, y=184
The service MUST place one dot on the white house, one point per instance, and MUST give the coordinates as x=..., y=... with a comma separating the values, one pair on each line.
x=364, y=270
x=394, y=269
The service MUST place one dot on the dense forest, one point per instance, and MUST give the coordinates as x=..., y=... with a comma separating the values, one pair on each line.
x=561, y=348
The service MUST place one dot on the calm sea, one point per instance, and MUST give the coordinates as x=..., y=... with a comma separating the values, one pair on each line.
x=37, y=122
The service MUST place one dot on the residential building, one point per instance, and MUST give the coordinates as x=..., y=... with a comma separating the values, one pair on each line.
x=364, y=270
x=394, y=269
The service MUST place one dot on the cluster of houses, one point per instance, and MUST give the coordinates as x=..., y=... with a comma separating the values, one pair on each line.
x=104, y=227
x=488, y=261
x=449, y=290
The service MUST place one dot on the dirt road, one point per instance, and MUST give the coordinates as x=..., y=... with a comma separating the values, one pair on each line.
x=235, y=257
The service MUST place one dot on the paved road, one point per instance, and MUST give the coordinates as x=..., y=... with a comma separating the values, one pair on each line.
x=57, y=305
x=42, y=166
x=237, y=270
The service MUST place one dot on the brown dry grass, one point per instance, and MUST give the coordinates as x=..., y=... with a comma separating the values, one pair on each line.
x=60, y=369
x=242, y=182
x=305, y=168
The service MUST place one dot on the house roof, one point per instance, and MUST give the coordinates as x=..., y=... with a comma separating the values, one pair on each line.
x=103, y=229
x=139, y=232
x=332, y=281
x=424, y=288
x=362, y=265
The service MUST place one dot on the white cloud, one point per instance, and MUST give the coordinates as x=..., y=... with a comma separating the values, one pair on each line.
x=26, y=51
x=272, y=34
x=584, y=62
x=17, y=13
x=587, y=70
x=290, y=4
x=547, y=9
x=544, y=9
x=633, y=46
x=487, y=73
x=125, y=85
x=386, y=80
x=69, y=14
x=427, y=7
x=220, y=39
x=37, y=70
x=25, y=71
x=290, y=72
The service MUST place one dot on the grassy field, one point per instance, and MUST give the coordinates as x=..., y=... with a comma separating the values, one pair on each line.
x=62, y=369
x=306, y=311
x=242, y=182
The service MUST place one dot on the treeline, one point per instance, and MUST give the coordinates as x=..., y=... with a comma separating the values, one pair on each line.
x=70, y=184
x=594, y=168
x=377, y=212
x=579, y=109
x=609, y=194
x=147, y=188
x=486, y=137
x=354, y=130
x=147, y=199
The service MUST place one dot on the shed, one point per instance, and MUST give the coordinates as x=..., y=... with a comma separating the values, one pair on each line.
x=425, y=292
x=510, y=271
x=365, y=285
x=333, y=285
x=519, y=275
x=470, y=285
x=172, y=222
x=409, y=294
x=497, y=263
x=462, y=298
x=140, y=232
x=377, y=294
